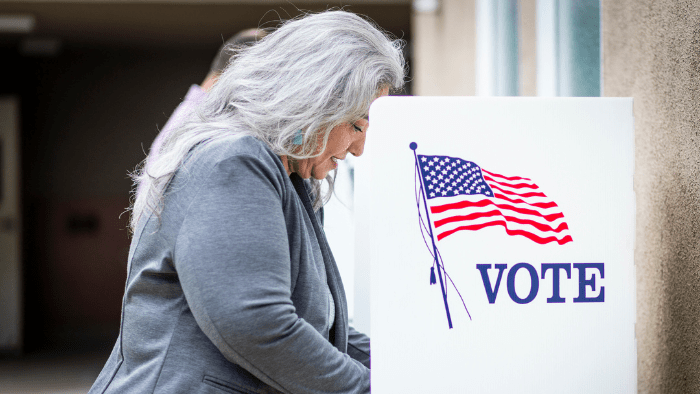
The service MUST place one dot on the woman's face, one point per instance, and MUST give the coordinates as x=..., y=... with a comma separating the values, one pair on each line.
x=343, y=139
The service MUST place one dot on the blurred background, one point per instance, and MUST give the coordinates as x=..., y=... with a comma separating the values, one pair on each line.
x=86, y=86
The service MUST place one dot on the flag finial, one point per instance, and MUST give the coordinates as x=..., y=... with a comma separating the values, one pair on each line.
x=413, y=145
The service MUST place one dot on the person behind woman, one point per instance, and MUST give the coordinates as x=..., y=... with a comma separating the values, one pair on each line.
x=195, y=93
x=231, y=285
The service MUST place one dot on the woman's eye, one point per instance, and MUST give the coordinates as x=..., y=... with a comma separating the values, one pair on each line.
x=357, y=128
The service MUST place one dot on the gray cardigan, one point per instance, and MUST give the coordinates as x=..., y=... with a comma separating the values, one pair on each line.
x=229, y=294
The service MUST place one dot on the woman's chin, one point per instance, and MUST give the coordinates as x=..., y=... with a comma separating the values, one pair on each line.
x=320, y=176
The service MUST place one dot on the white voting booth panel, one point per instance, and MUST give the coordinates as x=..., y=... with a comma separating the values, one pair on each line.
x=546, y=203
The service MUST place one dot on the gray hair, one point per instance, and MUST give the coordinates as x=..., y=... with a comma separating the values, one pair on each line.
x=311, y=74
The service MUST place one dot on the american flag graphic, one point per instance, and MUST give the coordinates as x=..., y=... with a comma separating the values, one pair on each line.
x=463, y=196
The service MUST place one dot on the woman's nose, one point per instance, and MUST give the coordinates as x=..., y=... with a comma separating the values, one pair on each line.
x=358, y=146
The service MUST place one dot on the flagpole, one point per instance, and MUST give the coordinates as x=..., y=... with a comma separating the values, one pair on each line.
x=413, y=147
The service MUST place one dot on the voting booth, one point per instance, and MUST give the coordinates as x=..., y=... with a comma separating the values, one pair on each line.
x=499, y=233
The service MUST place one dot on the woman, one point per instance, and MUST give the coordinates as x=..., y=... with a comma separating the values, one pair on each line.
x=231, y=286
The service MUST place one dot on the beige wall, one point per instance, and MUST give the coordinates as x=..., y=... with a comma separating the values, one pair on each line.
x=527, y=47
x=651, y=51
x=444, y=50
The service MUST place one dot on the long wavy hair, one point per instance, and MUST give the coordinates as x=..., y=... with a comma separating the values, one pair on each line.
x=310, y=74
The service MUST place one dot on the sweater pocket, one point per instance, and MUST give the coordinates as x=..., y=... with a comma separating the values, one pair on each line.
x=226, y=387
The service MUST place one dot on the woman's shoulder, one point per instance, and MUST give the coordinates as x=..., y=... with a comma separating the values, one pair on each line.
x=234, y=149
x=235, y=159
x=239, y=165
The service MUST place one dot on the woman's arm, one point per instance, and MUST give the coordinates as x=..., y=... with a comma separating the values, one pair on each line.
x=358, y=346
x=232, y=258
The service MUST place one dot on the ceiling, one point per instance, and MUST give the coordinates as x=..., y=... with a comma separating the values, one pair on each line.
x=178, y=23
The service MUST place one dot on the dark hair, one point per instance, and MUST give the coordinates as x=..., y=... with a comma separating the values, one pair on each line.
x=231, y=47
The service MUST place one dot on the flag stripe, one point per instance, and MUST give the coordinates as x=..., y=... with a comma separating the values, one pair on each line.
x=544, y=205
x=481, y=215
x=510, y=178
x=510, y=225
x=472, y=216
x=483, y=203
x=517, y=194
x=513, y=185
x=533, y=237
